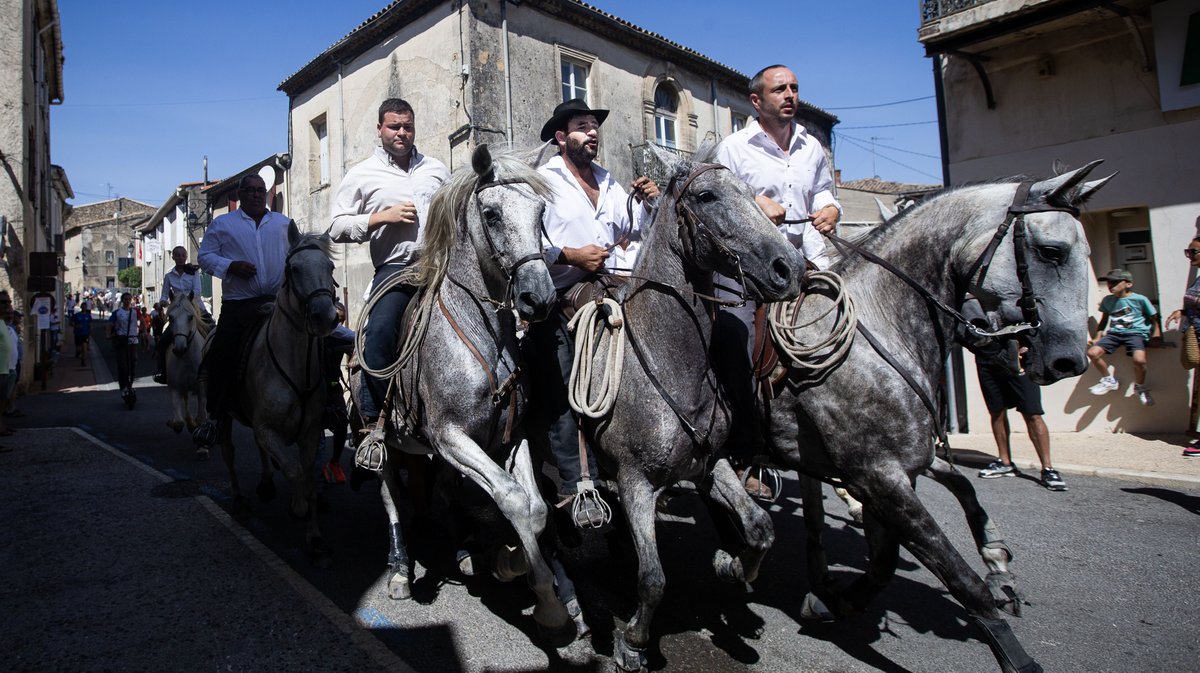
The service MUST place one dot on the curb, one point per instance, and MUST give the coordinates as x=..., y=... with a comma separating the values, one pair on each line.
x=1152, y=478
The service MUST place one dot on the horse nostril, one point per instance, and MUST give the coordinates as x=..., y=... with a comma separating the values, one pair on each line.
x=1065, y=366
x=782, y=269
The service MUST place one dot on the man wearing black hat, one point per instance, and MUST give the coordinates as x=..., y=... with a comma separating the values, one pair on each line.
x=584, y=224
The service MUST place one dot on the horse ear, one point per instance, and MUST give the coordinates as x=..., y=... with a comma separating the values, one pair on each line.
x=293, y=233
x=1057, y=191
x=481, y=162
x=1087, y=189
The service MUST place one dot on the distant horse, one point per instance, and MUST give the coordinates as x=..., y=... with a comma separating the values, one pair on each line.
x=189, y=331
x=282, y=392
x=458, y=387
x=668, y=415
x=1019, y=250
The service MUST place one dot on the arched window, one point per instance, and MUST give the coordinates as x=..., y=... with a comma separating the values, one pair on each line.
x=666, y=107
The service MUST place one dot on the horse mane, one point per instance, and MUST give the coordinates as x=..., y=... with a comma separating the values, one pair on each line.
x=202, y=326
x=319, y=241
x=440, y=231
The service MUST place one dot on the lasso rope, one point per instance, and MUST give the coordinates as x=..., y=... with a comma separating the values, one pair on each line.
x=586, y=399
x=413, y=339
x=830, y=350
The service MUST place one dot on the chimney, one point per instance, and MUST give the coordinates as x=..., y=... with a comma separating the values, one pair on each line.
x=837, y=176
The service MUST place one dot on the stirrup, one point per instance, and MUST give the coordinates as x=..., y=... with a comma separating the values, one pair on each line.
x=588, y=508
x=770, y=482
x=205, y=434
x=372, y=450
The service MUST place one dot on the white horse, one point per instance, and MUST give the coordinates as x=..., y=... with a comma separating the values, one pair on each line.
x=189, y=331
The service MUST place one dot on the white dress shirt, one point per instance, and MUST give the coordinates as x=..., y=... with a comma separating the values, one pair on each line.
x=180, y=283
x=799, y=179
x=377, y=183
x=126, y=322
x=234, y=237
x=572, y=221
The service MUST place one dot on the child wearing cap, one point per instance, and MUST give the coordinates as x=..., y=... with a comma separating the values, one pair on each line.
x=1133, y=320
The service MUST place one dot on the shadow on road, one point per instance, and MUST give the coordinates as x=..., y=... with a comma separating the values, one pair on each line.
x=1189, y=502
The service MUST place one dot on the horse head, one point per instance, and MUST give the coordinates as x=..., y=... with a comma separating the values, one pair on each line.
x=505, y=226
x=721, y=228
x=182, y=314
x=308, y=280
x=1039, y=276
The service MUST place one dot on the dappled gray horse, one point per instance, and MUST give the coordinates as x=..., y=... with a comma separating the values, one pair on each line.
x=669, y=415
x=282, y=392
x=188, y=333
x=457, y=386
x=860, y=422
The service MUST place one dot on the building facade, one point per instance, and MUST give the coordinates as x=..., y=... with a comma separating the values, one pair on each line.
x=489, y=72
x=100, y=242
x=1023, y=84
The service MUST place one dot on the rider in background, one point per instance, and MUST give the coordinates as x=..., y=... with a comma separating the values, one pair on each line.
x=123, y=326
x=247, y=249
x=583, y=223
x=382, y=201
x=184, y=279
x=789, y=173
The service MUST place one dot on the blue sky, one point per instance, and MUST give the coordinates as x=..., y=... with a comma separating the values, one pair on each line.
x=150, y=90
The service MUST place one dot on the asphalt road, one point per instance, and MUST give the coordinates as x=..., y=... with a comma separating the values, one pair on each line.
x=1107, y=568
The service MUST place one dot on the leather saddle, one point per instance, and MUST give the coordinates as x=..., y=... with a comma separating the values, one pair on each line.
x=597, y=287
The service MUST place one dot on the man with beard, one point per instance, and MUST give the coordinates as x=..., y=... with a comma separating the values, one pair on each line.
x=789, y=173
x=382, y=201
x=583, y=223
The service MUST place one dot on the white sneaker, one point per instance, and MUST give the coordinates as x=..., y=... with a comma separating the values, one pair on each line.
x=1143, y=395
x=1107, y=385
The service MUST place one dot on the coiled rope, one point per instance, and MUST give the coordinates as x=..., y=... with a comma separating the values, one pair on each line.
x=595, y=401
x=410, y=341
x=829, y=351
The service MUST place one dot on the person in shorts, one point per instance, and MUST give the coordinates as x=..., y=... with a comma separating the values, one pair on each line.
x=1001, y=392
x=1131, y=321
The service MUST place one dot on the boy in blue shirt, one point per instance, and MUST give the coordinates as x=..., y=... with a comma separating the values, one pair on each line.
x=1133, y=320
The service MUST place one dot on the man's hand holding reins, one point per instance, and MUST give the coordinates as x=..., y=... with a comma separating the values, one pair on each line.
x=242, y=269
x=644, y=190
x=825, y=220
x=774, y=212
x=590, y=257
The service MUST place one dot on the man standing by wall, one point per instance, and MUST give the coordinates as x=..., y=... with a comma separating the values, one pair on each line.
x=382, y=201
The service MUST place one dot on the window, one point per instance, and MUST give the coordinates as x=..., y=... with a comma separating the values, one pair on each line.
x=110, y=257
x=666, y=106
x=110, y=282
x=319, y=159
x=574, y=80
x=738, y=122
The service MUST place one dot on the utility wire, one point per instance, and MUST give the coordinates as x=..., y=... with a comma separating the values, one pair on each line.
x=897, y=149
x=865, y=107
x=884, y=156
x=886, y=126
x=182, y=102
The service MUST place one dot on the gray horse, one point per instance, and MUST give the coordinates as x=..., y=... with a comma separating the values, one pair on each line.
x=188, y=334
x=458, y=383
x=283, y=389
x=860, y=422
x=669, y=414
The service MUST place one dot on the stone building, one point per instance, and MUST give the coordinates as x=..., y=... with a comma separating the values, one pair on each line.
x=33, y=192
x=1024, y=83
x=487, y=71
x=100, y=242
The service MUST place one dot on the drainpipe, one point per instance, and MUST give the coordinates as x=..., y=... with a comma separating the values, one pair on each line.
x=943, y=143
x=716, y=119
x=342, y=174
x=508, y=129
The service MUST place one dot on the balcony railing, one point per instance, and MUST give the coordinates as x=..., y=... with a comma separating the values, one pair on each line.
x=932, y=10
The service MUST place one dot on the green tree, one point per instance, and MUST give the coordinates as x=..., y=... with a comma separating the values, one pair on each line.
x=131, y=277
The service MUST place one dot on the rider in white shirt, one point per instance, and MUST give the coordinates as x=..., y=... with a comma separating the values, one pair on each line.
x=182, y=279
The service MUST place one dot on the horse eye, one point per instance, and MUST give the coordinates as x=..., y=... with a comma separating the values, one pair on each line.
x=1051, y=253
x=706, y=196
x=491, y=215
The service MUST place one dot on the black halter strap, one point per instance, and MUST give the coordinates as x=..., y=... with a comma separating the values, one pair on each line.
x=510, y=271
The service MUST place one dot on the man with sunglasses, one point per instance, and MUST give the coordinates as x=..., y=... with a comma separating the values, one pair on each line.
x=584, y=224
x=247, y=249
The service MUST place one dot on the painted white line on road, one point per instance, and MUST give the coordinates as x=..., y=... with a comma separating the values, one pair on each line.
x=364, y=639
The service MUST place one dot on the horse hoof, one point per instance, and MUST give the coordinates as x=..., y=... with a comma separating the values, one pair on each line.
x=559, y=636
x=510, y=564
x=1005, y=646
x=582, y=630
x=399, y=587
x=856, y=514
x=466, y=565
x=202, y=453
x=814, y=608
x=265, y=490
x=176, y=426
x=1004, y=589
x=627, y=658
x=728, y=568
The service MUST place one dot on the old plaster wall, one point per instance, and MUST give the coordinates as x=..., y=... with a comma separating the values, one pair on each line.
x=421, y=63
x=16, y=91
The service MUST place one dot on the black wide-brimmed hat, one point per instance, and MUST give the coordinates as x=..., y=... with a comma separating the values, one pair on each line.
x=564, y=112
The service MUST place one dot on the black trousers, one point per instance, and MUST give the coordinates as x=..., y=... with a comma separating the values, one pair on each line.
x=221, y=363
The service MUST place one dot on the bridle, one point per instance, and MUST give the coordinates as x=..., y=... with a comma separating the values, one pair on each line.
x=692, y=227
x=305, y=300
x=509, y=269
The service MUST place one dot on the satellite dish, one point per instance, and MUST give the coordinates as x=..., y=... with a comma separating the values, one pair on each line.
x=267, y=173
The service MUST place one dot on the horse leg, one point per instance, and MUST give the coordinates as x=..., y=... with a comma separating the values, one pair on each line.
x=724, y=489
x=240, y=505
x=637, y=500
x=853, y=507
x=400, y=583
x=820, y=584
x=177, y=411
x=304, y=488
x=992, y=549
x=891, y=500
x=266, y=479
x=523, y=508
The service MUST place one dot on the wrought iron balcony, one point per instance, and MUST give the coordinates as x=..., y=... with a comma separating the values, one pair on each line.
x=932, y=10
